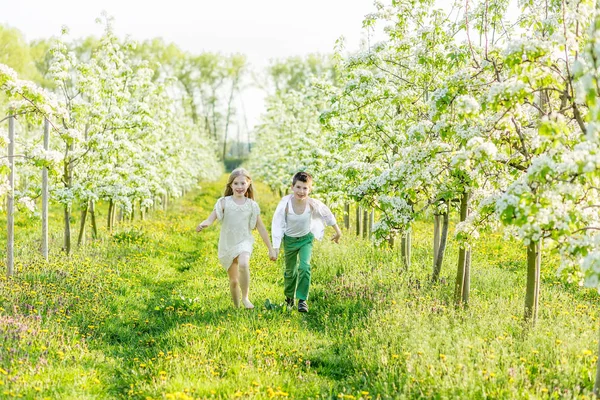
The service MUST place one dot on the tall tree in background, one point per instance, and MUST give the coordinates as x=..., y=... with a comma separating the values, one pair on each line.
x=236, y=68
x=16, y=53
x=294, y=73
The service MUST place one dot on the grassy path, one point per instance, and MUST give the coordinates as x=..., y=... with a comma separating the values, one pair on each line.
x=146, y=314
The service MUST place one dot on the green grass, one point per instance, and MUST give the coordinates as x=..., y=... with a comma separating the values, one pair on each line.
x=146, y=313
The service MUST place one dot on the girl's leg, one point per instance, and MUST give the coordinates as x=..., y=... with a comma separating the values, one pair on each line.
x=234, y=282
x=244, y=277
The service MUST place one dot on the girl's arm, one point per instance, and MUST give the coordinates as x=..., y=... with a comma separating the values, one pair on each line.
x=207, y=222
x=211, y=218
x=265, y=237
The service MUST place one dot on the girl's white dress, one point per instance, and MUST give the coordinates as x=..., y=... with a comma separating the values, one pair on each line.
x=237, y=223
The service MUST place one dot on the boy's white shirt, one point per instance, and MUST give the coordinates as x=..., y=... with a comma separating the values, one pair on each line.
x=321, y=216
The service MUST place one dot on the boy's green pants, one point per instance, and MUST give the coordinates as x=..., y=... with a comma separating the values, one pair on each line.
x=296, y=278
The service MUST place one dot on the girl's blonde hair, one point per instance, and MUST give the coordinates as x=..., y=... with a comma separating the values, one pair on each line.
x=234, y=174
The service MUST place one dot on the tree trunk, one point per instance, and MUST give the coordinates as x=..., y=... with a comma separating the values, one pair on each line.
x=93, y=220
x=436, y=236
x=597, y=383
x=437, y=268
x=358, y=224
x=10, y=198
x=371, y=222
x=463, y=254
x=67, y=229
x=68, y=179
x=403, y=250
x=467, y=286
x=227, y=116
x=45, y=194
x=192, y=103
x=113, y=217
x=534, y=261
x=208, y=126
x=214, y=113
x=365, y=224
x=347, y=215
x=109, y=216
x=81, y=237
x=406, y=249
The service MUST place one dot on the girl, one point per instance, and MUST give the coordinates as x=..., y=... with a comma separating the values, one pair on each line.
x=239, y=215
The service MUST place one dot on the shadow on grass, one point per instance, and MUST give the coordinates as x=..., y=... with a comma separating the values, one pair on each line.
x=147, y=330
x=336, y=311
x=145, y=312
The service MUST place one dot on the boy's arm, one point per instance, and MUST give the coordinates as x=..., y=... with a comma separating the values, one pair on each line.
x=278, y=224
x=329, y=220
x=325, y=213
x=265, y=237
x=338, y=234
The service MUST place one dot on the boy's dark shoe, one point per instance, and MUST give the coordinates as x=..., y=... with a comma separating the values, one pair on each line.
x=289, y=302
x=302, y=306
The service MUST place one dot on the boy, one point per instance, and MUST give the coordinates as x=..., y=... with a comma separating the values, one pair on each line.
x=299, y=219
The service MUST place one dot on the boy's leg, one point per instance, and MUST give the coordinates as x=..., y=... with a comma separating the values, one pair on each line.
x=290, y=276
x=305, y=253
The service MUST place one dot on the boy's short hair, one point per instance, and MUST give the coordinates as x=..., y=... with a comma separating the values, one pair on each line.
x=302, y=177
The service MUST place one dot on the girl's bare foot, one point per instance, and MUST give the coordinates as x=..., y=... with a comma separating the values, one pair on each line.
x=247, y=304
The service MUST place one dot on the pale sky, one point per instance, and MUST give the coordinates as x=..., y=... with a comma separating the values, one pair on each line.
x=261, y=29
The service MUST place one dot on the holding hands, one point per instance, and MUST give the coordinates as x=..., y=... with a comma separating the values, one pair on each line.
x=273, y=253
